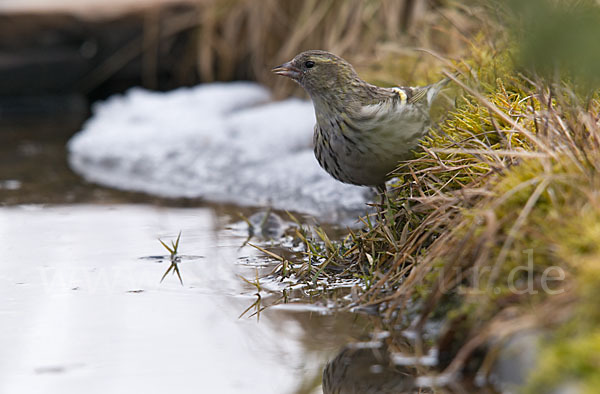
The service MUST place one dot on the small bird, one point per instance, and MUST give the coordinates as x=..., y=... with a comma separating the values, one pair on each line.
x=362, y=130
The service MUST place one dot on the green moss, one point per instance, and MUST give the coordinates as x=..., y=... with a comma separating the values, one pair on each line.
x=580, y=236
x=567, y=360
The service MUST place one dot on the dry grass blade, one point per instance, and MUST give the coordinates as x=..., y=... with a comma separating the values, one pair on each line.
x=496, y=152
x=267, y=252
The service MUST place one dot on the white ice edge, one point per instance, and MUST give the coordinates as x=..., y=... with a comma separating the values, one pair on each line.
x=223, y=142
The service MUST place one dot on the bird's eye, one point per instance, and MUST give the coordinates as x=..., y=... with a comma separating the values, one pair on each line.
x=309, y=64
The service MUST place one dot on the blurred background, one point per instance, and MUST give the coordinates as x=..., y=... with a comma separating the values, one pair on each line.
x=58, y=57
x=96, y=48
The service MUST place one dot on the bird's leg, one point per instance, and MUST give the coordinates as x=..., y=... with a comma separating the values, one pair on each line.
x=381, y=190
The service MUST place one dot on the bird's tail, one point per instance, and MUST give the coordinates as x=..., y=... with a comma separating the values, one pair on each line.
x=435, y=89
x=429, y=92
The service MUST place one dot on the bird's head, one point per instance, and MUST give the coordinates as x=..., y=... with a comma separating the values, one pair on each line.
x=320, y=73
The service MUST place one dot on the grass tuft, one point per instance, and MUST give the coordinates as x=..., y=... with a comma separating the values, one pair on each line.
x=174, y=257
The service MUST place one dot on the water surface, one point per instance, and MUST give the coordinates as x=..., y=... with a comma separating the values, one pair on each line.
x=82, y=308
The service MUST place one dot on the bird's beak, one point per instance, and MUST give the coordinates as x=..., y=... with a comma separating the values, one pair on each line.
x=287, y=70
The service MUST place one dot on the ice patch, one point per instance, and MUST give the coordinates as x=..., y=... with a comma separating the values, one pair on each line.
x=224, y=142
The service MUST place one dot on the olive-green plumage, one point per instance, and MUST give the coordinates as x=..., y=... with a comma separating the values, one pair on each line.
x=362, y=130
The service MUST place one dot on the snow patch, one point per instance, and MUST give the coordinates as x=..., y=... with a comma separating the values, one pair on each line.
x=224, y=142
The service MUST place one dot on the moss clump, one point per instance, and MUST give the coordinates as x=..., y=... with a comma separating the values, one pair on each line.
x=570, y=360
x=572, y=354
x=522, y=241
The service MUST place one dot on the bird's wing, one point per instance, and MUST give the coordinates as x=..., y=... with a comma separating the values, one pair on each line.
x=389, y=113
x=388, y=100
x=375, y=110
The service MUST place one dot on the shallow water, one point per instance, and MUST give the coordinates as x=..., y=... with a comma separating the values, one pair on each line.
x=82, y=308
